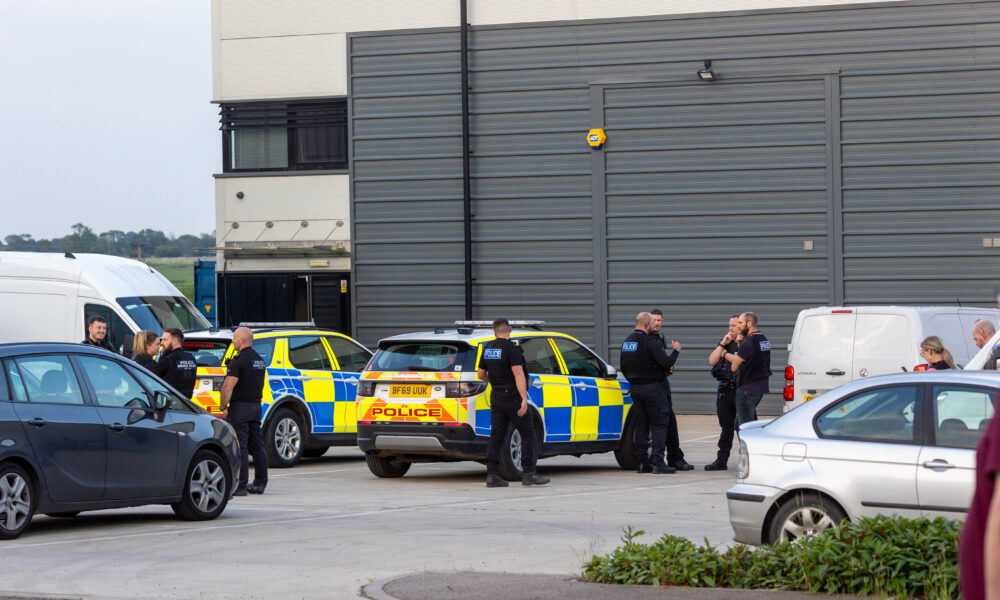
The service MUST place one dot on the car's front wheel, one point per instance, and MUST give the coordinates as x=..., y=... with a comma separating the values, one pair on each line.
x=17, y=501
x=386, y=467
x=206, y=489
x=283, y=439
x=511, y=454
x=803, y=517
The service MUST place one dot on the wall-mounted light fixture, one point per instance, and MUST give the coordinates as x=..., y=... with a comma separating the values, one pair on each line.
x=707, y=74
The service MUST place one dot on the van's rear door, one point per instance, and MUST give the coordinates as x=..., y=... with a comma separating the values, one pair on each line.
x=822, y=351
x=884, y=343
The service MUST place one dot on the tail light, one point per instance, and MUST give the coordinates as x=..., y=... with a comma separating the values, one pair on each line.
x=920, y=368
x=366, y=388
x=789, y=392
x=464, y=389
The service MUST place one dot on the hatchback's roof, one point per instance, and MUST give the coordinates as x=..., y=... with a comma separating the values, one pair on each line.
x=20, y=348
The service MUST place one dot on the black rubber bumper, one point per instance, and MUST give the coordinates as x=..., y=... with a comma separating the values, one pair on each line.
x=456, y=442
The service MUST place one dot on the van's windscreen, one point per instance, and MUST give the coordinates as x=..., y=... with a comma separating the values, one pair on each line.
x=156, y=313
x=424, y=356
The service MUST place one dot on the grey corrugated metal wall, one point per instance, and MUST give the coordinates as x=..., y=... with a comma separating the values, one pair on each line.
x=871, y=132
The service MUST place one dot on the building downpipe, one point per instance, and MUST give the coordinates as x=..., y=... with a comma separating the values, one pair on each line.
x=466, y=169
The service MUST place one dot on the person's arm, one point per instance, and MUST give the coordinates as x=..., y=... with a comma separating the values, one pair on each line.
x=483, y=375
x=742, y=355
x=720, y=350
x=659, y=354
x=226, y=393
x=991, y=548
x=522, y=388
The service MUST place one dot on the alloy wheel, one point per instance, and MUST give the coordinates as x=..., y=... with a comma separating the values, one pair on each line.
x=805, y=523
x=208, y=485
x=287, y=438
x=15, y=501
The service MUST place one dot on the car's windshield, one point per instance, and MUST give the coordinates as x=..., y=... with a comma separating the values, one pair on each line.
x=424, y=356
x=156, y=313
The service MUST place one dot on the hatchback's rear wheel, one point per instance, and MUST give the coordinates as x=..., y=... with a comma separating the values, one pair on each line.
x=206, y=489
x=17, y=501
x=804, y=517
x=283, y=439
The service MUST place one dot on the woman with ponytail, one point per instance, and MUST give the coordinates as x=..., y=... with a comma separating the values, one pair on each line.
x=936, y=355
x=145, y=346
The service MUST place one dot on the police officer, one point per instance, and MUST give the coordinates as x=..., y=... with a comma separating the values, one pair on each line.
x=239, y=400
x=176, y=366
x=645, y=364
x=502, y=366
x=97, y=333
x=753, y=363
x=725, y=396
x=675, y=456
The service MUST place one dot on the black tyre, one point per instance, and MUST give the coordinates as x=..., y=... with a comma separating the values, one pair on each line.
x=69, y=514
x=17, y=501
x=283, y=439
x=315, y=452
x=511, y=454
x=207, y=488
x=386, y=467
x=803, y=517
x=625, y=453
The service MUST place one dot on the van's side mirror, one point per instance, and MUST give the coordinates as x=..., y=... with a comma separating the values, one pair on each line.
x=610, y=372
x=161, y=400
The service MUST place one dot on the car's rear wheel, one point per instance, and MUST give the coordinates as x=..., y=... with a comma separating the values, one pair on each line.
x=315, y=452
x=381, y=466
x=625, y=453
x=17, y=501
x=206, y=489
x=283, y=439
x=804, y=517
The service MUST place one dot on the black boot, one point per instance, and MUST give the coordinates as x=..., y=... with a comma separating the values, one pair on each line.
x=496, y=481
x=534, y=479
x=718, y=465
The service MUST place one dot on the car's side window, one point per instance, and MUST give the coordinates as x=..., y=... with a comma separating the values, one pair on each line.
x=49, y=379
x=961, y=415
x=112, y=385
x=539, y=356
x=154, y=385
x=579, y=361
x=351, y=357
x=4, y=396
x=18, y=393
x=888, y=414
x=307, y=352
x=265, y=348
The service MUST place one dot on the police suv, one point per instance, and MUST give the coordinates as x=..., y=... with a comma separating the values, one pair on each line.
x=419, y=400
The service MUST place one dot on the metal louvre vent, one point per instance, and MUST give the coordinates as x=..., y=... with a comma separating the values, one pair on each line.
x=283, y=114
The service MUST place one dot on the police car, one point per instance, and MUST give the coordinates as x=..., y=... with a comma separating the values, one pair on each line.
x=419, y=400
x=309, y=392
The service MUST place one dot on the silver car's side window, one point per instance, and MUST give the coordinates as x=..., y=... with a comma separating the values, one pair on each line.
x=888, y=414
x=961, y=415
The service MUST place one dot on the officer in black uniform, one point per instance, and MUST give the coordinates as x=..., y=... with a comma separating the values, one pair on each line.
x=176, y=366
x=725, y=397
x=645, y=365
x=97, y=333
x=239, y=400
x=675, y=456
x=752, y=361
x=503, y=366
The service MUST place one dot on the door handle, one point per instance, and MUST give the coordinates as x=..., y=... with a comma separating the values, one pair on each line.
x=835, y=372
x=580, y=385
x=116, y=427
x=536, y=383
x=352, y=380
x=37, y=422
x=937, y=463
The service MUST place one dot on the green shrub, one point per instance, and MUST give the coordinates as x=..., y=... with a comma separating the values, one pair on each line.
x=884, y=556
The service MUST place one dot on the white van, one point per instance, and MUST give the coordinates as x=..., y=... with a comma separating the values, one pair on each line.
x=48, y=297
x=834, y=345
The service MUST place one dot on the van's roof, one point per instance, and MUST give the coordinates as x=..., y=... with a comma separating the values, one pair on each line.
x=896, y=309
x=115, y=276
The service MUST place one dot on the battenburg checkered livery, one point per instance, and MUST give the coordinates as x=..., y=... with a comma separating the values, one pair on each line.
x=419, y=400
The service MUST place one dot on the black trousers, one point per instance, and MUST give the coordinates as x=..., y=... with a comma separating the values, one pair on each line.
x=649, y=401
x=674, y=452
x=503, y=410
x=245, y=419
x=725, y=408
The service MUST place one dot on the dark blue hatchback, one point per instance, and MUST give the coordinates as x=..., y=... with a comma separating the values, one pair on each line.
x=83, y=429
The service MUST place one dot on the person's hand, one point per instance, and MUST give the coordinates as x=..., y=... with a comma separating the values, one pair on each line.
x=675, y=344
x=524, y=408
x=726, y=340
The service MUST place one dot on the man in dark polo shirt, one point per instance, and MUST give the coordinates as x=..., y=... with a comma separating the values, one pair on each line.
x=240, y=400
x=753, y=363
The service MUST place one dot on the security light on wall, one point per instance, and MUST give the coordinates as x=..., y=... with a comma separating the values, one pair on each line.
x=707, y=74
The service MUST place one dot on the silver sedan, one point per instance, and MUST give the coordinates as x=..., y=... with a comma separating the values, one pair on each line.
x=897, y=444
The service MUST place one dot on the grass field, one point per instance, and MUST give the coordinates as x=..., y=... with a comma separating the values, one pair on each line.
x=179, y=271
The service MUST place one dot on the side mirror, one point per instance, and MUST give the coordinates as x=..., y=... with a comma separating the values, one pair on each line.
x=161, y=400
x=610, y=372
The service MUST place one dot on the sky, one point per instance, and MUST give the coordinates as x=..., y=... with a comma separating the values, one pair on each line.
x=106, y=116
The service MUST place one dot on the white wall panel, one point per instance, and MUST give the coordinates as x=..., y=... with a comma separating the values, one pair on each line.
x=283, y=67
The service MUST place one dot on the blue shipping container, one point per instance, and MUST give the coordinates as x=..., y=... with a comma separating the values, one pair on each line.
x=204, y=288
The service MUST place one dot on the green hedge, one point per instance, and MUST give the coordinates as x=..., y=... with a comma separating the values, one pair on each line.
x=884, y=556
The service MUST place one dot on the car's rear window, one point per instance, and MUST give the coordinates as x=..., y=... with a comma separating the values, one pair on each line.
x=424, y=356
x=207, y=353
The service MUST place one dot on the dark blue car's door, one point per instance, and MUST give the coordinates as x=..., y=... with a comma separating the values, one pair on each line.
x=142, y=445
x=65, y=432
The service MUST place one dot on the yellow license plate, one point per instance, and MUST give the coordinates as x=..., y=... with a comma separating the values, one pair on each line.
x=409, y=390
x=807, y=398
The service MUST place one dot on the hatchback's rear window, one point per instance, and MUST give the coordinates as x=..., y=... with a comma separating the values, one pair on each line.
x=207, y=353
x=424, y=356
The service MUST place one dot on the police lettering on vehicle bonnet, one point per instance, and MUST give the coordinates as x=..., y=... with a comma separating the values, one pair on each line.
x=503, y=366
x=176, y=366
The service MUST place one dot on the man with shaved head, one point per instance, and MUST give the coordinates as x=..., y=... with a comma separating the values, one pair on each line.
x=239, y=400
x=982, y=331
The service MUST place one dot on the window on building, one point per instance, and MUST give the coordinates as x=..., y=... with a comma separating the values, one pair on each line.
x=284, y=136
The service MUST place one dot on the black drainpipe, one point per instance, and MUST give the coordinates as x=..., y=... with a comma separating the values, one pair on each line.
x=466, y=173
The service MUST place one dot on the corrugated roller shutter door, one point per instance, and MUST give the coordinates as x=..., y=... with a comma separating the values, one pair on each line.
x=713, y=191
